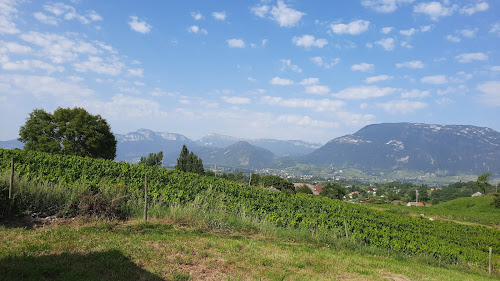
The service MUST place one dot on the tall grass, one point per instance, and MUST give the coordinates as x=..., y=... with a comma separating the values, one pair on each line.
x=42, y=199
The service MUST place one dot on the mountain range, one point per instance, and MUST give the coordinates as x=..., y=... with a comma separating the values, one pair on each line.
x=374, y=149
x=443, y=149
x=214, y=149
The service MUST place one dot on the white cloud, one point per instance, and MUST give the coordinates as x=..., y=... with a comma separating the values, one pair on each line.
x=408, y=32
x=196, y=29
x=472, y=9
x=444, y=101
x=317, y=89
x=7, y=12
x=306, y=121
x=282, y=14
x=42, y=87
x=364, y=92
x=316, y=105
x=434, y=9
x=251, y=79
x=469, y=33
x=401, y=106
x=309, y=41
x=59, y=49
x=309, y=81
x=495, y=68
x=453, y=38
x=425, y=28
x=98, y=65
x=327, y=65
x=386, y=43
x=363, y=67
x=137, y=72
x=385, y=6
x=281, y=81
x=196, y=15
x=495, y=28
x=353, y=28
x=122, y=107
x=465, y=58
x=69, y=13
x=287, y=64
x=434, y=79
x=31, y=65
x=235, y=43
x=411, y=64
x=219, y=15
x=375, y=79
x=491, y=93
x=139, y=26
x=14, y=47
x=387, y=29
x=415, y=94
x=45, y=19
x=260, y=11
x=237, y=100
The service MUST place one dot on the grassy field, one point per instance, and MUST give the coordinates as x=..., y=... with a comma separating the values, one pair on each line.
x=186, y=245
x=474, y=210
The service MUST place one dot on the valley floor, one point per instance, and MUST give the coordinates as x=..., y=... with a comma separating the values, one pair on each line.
x=184, y=249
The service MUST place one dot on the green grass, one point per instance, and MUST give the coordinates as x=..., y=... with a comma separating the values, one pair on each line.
x=185, y=244
x=478, y=210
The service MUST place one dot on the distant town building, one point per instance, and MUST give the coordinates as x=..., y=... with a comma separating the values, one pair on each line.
x=415, y=204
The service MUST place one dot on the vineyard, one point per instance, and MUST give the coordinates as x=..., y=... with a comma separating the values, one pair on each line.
x=449, y=242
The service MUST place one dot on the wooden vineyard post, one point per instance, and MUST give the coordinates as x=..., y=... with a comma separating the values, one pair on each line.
x=11, y=186
x=489, y=268
x=146, y=198
x=345, y=226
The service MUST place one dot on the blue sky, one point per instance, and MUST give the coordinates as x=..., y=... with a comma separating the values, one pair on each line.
x=309, y=70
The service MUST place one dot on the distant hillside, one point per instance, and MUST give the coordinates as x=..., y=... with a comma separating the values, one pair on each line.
x=134, y=145
x=278, y=147
x=450, y=149
x=241, y=155
x=10, y=144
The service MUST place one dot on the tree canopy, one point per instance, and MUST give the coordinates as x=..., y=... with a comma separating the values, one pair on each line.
x=153, y=159
x=334, y=191
x=70, y=132
x=304, y=189
x=277, y=182
x=189, y=162
x=482, y=182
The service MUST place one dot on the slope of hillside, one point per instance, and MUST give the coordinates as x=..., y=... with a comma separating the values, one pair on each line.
x=448, y=150
x=183, y=246
x=239, y=155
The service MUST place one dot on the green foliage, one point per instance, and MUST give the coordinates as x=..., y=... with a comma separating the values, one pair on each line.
x=69, y=132
x=277, y=182
x=446, y=241
x=496, y=200
x=189, y=162
x=482, y=182
x=334, y=191
x=254, y=179
x=304, y=189
x=43, y=198
x=153, y=159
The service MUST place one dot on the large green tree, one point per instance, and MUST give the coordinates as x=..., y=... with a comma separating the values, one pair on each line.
x=277, y=182
x=70, y=132
x=153, y=159
x=482, y=182
x=334, y=191
x=189, y=162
